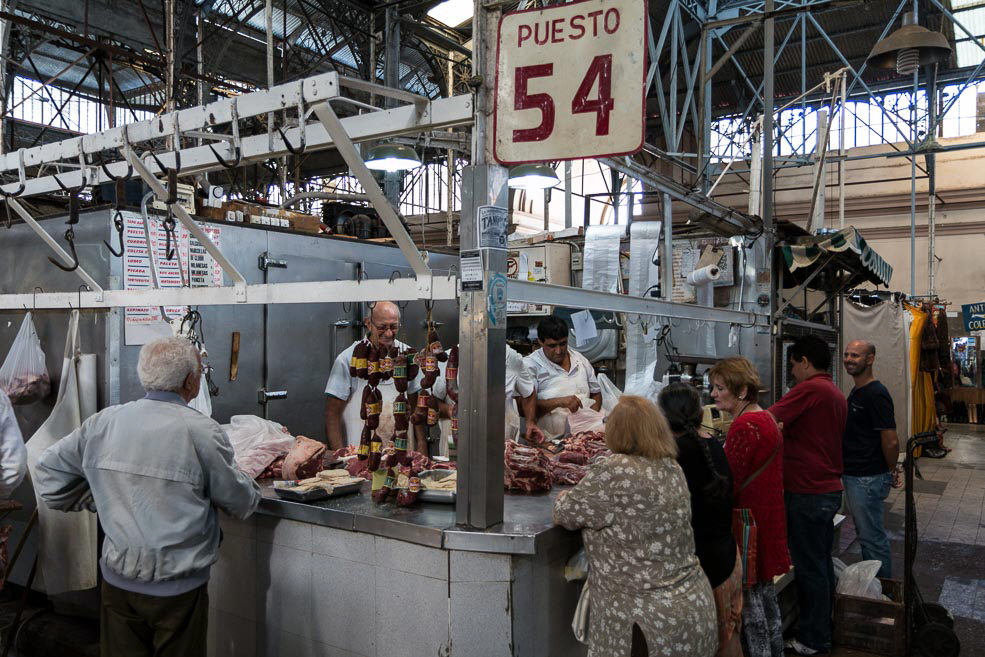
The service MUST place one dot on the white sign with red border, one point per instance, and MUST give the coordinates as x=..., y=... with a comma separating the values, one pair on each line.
x=571, y=81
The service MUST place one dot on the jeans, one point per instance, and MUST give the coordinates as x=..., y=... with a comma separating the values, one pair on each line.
x=865, y=497
x=810, y=534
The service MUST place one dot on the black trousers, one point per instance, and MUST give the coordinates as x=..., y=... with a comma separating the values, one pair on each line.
x=138, y=625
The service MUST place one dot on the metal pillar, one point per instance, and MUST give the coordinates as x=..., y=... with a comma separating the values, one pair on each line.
x=567, y=194
x=768, y=47
x=482, y=335
x=667, y=259
x=391, y=78
x=931, y=182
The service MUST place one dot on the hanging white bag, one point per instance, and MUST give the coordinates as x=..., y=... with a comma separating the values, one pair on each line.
x=610, y=393
x=23, y=375
x=203, y=402
x=67, y=554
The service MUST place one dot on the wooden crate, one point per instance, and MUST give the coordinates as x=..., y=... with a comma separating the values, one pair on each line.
x=872, y=625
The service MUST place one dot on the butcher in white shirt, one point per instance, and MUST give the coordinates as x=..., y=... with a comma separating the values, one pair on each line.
x=564, y=379
x=343, y=392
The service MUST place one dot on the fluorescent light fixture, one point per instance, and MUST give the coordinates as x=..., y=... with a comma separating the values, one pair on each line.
x=533, y=176
x=453, y=12
x=392, y=157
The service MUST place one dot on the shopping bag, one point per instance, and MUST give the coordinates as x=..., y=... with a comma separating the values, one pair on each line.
x=744, y=530
x=579, y=624
x=23, y=375
x=610, y=393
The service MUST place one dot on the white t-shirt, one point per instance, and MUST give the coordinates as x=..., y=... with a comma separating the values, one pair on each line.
x=519, y=380
x=552, y=381
x=349, y=388
x=549, y=376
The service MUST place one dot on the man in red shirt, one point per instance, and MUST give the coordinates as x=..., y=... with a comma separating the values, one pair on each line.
x=813, y=414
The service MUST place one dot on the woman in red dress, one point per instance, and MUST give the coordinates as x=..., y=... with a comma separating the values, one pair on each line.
x=754, y=448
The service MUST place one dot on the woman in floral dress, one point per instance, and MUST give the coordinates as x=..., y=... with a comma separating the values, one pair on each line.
x=634, y=511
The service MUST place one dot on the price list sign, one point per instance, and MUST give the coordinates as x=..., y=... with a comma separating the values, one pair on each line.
x=571, y=81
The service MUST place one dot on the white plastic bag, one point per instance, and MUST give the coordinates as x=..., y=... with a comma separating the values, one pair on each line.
x=579, y=624
x=585, y=419
x=23, y=375
x=257, y=442
x=859, y=580
x=577, y=566
x=610, y=393
x=203, y=402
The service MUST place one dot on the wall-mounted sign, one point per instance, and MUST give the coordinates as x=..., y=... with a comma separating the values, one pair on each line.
x=491, y=223
x=571, y=81
x=974, y=316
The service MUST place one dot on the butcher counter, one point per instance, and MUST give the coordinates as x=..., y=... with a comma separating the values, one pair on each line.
x=347, y=577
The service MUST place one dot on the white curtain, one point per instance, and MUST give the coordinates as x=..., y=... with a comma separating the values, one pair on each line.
x=885, y=326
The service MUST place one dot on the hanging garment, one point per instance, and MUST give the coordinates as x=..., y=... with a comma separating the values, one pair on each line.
x=929, y=362
x=922, y=391
x=67, y=553
x=946, y=379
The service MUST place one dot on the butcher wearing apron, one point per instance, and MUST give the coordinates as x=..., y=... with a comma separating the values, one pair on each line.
x=343, y=425
x=564, y=379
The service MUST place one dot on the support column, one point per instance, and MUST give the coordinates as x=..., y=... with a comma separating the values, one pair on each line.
x=768, y=102
x=482, y=323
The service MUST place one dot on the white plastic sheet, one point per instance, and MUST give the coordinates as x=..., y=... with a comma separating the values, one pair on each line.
x=256, y=442
x=67, y=555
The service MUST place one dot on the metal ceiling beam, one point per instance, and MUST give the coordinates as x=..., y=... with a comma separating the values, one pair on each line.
x=398, y=289
x=572, y=297
x=726, y=219
x=406, y=119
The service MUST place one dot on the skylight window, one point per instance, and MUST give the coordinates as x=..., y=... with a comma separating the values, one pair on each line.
x=453, y=12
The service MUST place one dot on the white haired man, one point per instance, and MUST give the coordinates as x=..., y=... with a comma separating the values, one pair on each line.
x=156, y=470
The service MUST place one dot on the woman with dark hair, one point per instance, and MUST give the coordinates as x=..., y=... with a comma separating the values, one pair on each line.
x=709, y=480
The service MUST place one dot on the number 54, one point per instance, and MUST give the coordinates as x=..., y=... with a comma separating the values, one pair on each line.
x=600, y=69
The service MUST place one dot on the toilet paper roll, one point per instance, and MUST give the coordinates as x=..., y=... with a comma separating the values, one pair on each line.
x=704, y=276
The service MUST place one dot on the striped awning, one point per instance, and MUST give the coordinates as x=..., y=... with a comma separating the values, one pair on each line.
x=848, y=241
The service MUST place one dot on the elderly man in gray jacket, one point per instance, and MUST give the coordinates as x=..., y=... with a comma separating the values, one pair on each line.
x=156, y=471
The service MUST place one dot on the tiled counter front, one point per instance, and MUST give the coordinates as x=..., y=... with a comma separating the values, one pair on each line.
x=295, y=589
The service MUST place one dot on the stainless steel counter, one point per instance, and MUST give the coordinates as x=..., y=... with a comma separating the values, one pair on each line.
x=527, y=527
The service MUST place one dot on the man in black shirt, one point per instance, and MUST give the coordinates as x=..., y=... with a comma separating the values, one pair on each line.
x=870, y=450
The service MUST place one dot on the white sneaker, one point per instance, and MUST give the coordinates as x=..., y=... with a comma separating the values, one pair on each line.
x=799, y=648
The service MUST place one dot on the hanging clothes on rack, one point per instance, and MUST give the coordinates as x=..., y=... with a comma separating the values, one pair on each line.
x=922, y=391
x=929, y=361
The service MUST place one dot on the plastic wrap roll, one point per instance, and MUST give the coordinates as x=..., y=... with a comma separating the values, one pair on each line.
x=704, y=276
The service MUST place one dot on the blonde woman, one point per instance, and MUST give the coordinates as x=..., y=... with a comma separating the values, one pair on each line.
x=649, y=595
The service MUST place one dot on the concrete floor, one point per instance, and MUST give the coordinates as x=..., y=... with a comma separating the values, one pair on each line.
x=951, y=535
x=949, y=566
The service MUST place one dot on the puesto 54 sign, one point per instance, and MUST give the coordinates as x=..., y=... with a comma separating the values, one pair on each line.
x=570, y=81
